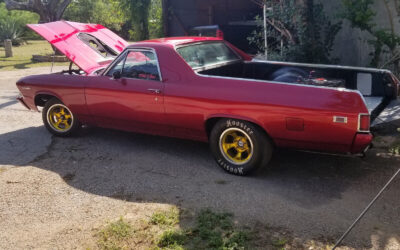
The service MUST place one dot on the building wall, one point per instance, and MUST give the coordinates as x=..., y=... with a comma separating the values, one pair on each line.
x=184, y=14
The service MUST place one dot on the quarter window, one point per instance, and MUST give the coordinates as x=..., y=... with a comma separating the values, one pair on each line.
x=207, y=54
x=138, y=65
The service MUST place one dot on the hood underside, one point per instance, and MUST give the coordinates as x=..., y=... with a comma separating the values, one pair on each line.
x=89, y=46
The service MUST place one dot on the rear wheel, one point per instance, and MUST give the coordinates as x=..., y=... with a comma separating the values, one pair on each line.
x=239, y=146
x=59, y=119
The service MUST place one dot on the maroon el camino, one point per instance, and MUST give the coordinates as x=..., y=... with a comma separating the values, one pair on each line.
x=208, y=90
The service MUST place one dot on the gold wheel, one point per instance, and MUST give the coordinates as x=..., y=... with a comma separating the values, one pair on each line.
x=236, y=146
x=60, y=118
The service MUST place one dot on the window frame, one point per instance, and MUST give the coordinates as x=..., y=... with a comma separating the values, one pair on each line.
x=211, y=66
x=123, y=56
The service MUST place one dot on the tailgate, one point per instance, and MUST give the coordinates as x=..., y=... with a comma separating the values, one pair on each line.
x=390, y=114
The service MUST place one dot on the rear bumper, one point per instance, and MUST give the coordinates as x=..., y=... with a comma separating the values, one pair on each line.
x=361, y=143
x=21, y=100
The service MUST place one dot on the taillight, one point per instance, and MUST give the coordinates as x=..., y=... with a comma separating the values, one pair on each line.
x=364, y=123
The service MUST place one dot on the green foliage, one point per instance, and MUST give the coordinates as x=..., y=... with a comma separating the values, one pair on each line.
x=279, y=242
x=216, y=231
x=133, y=20
x=138, y=15
x=113, y=236
x=359, y=13
x=172, y=239
x=237, y=240
x=168, y=218
x=212, y=231
x=13, y=24
x=385, y=41
x=395, y=148
x=105, y=12
x=155, y=19
x=10, y=30
x=296, y=33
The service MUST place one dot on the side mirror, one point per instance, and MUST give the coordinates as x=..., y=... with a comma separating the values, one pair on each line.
x=116, y=75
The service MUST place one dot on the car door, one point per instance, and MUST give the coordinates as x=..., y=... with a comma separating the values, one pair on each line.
x=129, y=95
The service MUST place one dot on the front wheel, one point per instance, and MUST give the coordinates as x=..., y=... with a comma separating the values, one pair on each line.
x=239, y=146
x=58, y=118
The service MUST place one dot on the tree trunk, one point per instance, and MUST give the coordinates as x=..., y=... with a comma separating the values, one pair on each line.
x=309, y=29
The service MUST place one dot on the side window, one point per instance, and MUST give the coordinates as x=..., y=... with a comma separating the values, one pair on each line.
x=138, y=65
x=117, y=67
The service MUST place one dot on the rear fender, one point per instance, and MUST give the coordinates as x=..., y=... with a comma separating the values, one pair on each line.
x=237, y=117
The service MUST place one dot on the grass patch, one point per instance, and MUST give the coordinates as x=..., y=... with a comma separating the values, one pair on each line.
x=115, y=235
x=206, y=230
x=22, y=56
x=172, y=239
x=279, y=242
x=395, y=148
x=165, y=218
x=211, y=231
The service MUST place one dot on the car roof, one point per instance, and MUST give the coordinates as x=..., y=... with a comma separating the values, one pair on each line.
x=176, y=41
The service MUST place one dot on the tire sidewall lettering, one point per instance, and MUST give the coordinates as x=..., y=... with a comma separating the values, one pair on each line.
x=232, y=123
x=233, y=169
x=252, y=131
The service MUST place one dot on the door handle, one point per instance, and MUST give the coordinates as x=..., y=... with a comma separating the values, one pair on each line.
x=156, y=91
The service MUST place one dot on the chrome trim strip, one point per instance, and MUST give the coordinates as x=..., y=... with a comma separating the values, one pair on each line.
x=216, y=65
x=359, y=123
x=116, y=60
x=340, y=119
x=373, y=70
x=283, y=83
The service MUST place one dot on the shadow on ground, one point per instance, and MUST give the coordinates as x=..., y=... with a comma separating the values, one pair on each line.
x=309, y=194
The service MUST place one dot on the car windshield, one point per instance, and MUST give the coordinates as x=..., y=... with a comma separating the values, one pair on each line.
x=207, y=54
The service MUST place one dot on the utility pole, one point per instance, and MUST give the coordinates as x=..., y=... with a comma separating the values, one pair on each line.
x=265, y=29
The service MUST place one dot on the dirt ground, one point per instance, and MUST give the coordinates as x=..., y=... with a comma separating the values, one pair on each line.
x=55, y=192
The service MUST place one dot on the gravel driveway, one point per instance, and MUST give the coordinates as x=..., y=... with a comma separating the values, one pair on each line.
x=55, y=191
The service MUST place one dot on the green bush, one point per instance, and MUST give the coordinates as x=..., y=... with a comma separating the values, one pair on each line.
x=13, y=24
x=104, y=12
x=297, y=32
x=10, y=30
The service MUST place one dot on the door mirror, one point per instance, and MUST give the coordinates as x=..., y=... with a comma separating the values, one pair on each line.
x=116, y=75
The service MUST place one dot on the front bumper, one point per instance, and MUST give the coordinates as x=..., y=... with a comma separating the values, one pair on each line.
x=361, y=143
x=20, y=98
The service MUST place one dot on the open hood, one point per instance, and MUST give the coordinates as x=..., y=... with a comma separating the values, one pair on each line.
x=89, y=46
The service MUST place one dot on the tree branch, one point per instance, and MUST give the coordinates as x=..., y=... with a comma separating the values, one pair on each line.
x=62, y=7
x=284, y=32
x=14, y=5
